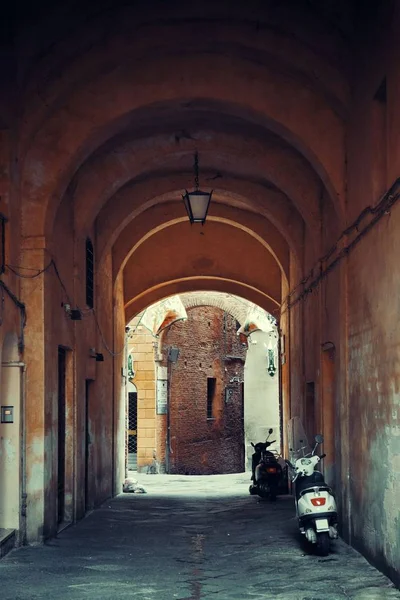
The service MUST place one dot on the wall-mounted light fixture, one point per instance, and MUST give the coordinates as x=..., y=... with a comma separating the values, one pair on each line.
x=97, y=355
x=75, y=314
x=197, y=202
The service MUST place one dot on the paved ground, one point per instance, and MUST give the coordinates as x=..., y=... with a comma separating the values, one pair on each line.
x=186, y=540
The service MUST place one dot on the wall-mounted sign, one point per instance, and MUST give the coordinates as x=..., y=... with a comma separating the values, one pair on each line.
x=162, y=396
x=7, y=414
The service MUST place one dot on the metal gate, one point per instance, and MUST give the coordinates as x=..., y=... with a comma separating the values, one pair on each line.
x=132, y=431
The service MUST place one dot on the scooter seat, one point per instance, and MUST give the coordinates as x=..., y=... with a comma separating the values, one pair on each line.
x=304, y=483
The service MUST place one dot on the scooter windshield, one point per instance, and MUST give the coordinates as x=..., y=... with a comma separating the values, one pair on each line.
x=298, y=443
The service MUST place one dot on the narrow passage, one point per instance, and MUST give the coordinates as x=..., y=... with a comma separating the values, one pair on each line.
x=189, y=538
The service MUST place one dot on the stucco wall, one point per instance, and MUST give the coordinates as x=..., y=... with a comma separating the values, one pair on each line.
x=141, y=346
x=261, y=393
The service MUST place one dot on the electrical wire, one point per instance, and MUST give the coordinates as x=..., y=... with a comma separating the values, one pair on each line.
x=39, y=272
x=53, y=262
x=111, y=352
x=85, y=312
x=381, y=209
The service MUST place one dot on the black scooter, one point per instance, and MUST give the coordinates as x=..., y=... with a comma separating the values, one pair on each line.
x=266, y=471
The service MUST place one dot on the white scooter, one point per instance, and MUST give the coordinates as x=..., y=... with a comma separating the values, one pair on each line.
x=315, y=503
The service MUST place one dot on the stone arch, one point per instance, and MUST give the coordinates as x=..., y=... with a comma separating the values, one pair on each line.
x=218, y=252
x=246, y=151
x=264, y=100
x=236, y=307
x=122, y=220
x=306, y=47
x=190, y=284
x=211, y=219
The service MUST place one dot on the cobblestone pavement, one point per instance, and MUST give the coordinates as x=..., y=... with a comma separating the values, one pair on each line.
x=189, y=538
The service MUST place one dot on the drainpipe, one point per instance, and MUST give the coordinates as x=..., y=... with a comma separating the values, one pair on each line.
x=22, y=392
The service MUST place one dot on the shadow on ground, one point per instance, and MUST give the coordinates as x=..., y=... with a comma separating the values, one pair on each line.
x=189, y=538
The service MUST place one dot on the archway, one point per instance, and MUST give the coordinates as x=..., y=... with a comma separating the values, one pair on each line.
x=200, y=389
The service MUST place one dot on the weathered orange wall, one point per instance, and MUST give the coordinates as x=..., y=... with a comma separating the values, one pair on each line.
x=372, y=308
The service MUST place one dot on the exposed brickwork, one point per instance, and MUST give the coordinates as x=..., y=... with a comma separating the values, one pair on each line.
x=204, y=445
x=231, y=304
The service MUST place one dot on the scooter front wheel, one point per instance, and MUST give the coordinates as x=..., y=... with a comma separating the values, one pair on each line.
x=323, y=543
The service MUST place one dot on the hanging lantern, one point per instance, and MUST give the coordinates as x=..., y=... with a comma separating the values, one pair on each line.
x=197, y=202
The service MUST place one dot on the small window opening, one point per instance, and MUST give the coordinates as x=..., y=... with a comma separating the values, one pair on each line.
x=89, y=273
x=211, y=385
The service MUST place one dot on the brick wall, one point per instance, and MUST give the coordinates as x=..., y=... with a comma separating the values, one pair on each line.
x=203, y=445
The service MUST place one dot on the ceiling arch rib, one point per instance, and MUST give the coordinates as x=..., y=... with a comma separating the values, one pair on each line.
x=123, y=212
x=87, y=119
x=95, y=48
x=221, y=250
x=235, y=306
x=203, y=284
x=154, y=220
x=251, y=154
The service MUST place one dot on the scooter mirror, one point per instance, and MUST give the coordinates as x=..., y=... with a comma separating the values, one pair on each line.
x=270, y=430
x=319, y=438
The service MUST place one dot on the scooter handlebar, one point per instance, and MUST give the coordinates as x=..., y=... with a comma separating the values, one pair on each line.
x=322, y=456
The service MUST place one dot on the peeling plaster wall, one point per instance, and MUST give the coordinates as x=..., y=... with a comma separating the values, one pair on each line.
x=46, y=295
x=374, y=389
x=373, y=306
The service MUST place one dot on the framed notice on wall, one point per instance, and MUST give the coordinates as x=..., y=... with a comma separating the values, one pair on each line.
x=162, y=395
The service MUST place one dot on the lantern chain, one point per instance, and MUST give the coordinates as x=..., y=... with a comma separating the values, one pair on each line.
x=196, y=170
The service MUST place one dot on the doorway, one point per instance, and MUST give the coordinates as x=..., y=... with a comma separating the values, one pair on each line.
x=61, y=435
x=328, y=409
x=310, y=424
x=88, y=385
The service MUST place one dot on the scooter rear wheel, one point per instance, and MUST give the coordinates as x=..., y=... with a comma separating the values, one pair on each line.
x=323, y=543
x=273, y=494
